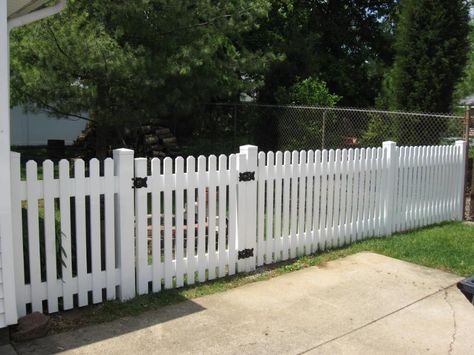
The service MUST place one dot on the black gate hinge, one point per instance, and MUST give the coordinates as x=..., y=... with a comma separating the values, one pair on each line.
x=246, y=253
x=247, y=176
x=139, y=182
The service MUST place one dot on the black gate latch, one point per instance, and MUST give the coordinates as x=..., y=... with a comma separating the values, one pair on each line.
x=247, y=176
x=246, y=253
x=139, y=182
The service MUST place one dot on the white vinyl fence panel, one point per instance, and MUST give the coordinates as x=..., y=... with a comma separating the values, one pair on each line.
x=90, y=231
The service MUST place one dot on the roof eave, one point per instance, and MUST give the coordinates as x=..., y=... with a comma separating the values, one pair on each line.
x=28, y=14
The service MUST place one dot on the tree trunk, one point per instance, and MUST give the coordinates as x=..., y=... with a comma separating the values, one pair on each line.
x=100, y=140
x=101, y=121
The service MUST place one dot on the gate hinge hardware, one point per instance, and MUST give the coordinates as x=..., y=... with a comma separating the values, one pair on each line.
x=247, y=176
x=245, y=253
x=139, y=182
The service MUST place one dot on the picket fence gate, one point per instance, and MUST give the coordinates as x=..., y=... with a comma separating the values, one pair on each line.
x=127, y=226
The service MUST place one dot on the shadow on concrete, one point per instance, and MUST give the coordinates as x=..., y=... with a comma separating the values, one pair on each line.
x=77, y=338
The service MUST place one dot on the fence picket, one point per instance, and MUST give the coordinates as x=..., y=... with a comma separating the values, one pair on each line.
x=232, y=213
x=294, y=204
x=399, y=191
x=261, y=208
x=361, y=195
x=440, y=182
x=309, y=202
x=330, y=198
x=446, y=177
x=156, y=226
x=430, y=158
x=211, y=202
x=65, y=220
x=286, y=204
x=371, y=212
x=33, y=235
x=324, y=194
x=301, y=237
x=349, y=198
x=95, y=235
x=316, y=224
x=278, y=205
x=81, y=245
x=411, y=178
x=355, y=195
x=415, y=191
x=406, y=186
x=109, y=227
x=50, y=236
x=367, y=171
x=201, y=240
x=426, y=186
x=179, y=222
x=337, y=198
x=168, y=222
x=222, y=231
x=270, y=173
x=379, y=192
x=141, y=232
x=190, y=219
x=343, y=196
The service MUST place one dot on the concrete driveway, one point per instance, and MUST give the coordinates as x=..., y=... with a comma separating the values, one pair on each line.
x=362, y=304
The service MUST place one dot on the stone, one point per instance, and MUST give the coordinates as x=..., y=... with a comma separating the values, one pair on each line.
x=31, y=326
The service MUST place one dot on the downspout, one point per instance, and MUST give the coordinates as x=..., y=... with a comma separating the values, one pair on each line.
x=36, y=15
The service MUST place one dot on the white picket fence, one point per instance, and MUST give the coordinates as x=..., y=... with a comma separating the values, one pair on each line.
x=83, y=234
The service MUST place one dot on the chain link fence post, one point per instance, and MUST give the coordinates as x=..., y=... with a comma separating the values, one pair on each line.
x=467, y=126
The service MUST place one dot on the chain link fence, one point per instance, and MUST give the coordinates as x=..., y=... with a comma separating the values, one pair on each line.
x=222, y=128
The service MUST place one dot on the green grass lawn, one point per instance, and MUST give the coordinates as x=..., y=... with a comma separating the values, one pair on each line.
x=448, y=246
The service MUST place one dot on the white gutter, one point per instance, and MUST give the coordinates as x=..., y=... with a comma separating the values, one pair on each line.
x=36, y=15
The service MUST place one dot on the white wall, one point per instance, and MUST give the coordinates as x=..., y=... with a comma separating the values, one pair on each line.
x=36, y=128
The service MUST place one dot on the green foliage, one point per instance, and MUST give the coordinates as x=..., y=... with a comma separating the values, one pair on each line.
x=307, y=128
x=309, y=91
x=465, y=86
x=125, y=62
x=346, y=44
x=431, y=47
x=379, y=129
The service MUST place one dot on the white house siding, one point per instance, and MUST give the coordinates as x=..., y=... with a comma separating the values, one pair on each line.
x=30, y=129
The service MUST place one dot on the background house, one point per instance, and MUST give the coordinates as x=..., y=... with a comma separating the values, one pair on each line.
x=34, y=129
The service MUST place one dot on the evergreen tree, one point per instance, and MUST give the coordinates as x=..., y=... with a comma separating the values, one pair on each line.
x=124, y=62
x=430, y=53
x=346, y=44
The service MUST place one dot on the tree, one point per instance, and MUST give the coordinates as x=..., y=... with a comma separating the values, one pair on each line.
x=309, y=91
x=306, y=127
x=347, y=44
x=465, y=86
x=126, y=62
x=431, y=46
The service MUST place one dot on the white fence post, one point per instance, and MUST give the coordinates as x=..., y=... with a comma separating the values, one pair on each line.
x=247, y=207
x=124, y=219
x=390, y=184
x=19, y=262
x=462, y=148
